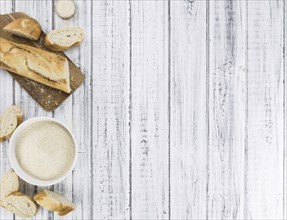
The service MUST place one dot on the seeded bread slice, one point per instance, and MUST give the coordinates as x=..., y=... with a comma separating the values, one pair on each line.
x=24, y=27
x=9, y=184
x=20, y=204
x=9, y=121
x=63, y=39
x=54, y=202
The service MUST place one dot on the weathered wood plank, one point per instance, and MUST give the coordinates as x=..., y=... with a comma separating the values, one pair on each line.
x=41, y=11
x=227, y=109
x=285, y=119
x=188, y=113
x=110, y=93
x=64, y=112
x=6, y=100
x=82, y=115
x=149, y=110
x=264, y=152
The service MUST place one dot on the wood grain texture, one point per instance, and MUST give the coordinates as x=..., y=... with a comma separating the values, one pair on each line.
x=285, y=121
x=149, y=110
x=110, y=143
x=182, y=114
x=24, y=100
x=188, y=110
x=264, y=162
x=65, y=114
x=227, y=109
x=6, y=100
x=82, y=114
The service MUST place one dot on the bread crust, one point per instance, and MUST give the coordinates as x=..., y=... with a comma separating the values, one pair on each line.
x=12, y=187
x=47, y=202
x=14, y=58
x=15, y=115
x=25, y=27
x=5, y=204
x=57, y=47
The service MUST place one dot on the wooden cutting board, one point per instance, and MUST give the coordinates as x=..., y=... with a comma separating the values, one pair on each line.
x=48, y=98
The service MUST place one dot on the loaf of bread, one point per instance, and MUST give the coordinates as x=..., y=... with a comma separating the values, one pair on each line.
x=36, y=64
x=9, y=184
x=24, y=27
x=54, y=202
x=9, y=121
x=20, y=204
x=63, y=39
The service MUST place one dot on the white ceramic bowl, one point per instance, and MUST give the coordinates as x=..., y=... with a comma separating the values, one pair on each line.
x=13, y=159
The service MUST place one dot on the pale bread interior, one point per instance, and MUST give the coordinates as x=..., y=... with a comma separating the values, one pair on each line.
x=66, y=37
x=9, y=121
x=60, y=199
x=9, y=184
x=7, y=125
x=54, y=202
x=17, y=111
x=20, y=204
x=65, y=8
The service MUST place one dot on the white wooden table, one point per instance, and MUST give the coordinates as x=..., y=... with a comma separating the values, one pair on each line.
x=182, y=114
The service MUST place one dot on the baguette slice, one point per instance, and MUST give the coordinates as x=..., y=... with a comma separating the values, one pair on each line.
x=36, y=64
x=54, y=202
x=63, y=39
x=24, y=27
x=9, y=184
x=16, y=111
x=65, y=8
x=9, y=121
x=20, y=204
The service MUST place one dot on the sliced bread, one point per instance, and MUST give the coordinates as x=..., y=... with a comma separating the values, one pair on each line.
x=9, y=184
x=20, y=204
x=24, y=27
x=9, y=121
x=16, y=111
x=65, y=8
x=63, y=39
x=54, y=202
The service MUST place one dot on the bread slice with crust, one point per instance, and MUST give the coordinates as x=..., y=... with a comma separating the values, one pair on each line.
x=24, y=27
x=54, y=202
x=16, y=111
x=20, y=204
x=63, y=39
x=9, y=184
x=9, y=121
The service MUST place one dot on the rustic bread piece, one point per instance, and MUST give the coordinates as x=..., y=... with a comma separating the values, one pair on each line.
x=47, y=68
x=20, y=204
x=63, y=39
x=54, y=202
x=16, y=111
x=24, y=27
x=9, y=184
x=9, y=121
x=65, y=8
